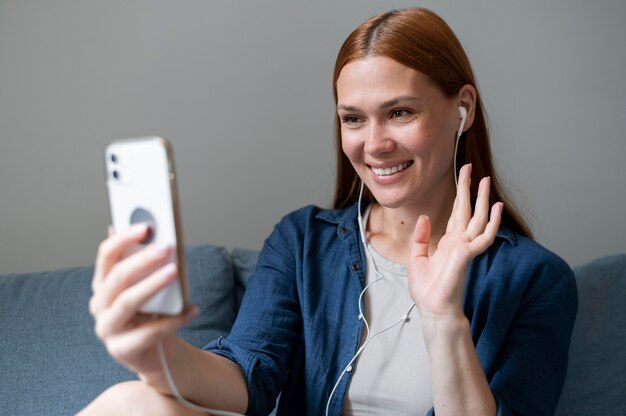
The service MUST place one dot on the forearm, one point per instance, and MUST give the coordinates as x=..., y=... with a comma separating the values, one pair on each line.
x=204, y=378
x=459, y=384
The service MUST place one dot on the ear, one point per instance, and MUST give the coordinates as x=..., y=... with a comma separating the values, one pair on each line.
x=467, y=98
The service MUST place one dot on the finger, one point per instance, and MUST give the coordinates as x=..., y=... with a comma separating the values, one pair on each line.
x=127, y=305
x=131, y=270
x=127, y=272
x=480, y=243
x=462, y=209
x=421, y=237
x=481, y=211
x=113, y=249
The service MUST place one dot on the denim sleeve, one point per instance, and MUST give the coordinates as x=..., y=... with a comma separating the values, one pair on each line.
x=268, y=325
x=531, y=366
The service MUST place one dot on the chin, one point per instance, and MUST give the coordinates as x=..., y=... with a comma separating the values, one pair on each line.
x=390, y=201
x=391, y=205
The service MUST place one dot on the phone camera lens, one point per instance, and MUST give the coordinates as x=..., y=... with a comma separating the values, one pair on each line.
x=113, y=158
x=116, y=174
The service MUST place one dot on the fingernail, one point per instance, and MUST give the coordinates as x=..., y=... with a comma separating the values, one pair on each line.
x=169, y=271
x=162, y=250
x=138, y=229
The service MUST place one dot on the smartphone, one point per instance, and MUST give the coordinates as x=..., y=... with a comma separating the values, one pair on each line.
x=141, y=185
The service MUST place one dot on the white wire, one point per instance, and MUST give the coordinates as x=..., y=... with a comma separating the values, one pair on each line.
x=179, y=397
x=368, y=338
x=456, y=147
x=361, y=349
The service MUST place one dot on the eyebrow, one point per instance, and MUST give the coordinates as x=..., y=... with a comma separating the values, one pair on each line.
x=384, y=105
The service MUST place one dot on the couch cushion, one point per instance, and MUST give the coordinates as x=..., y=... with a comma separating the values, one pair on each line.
x=50, y=360
x=212, y=283
x=597, y=369
x=244, y=263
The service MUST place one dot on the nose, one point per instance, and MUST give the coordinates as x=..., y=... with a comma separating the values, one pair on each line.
x=378, y=140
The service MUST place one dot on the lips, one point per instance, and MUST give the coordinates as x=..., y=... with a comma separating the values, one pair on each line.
x=390, y=170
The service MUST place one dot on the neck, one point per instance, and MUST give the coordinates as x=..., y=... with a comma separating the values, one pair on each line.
x=390, y=230
x=398, y=224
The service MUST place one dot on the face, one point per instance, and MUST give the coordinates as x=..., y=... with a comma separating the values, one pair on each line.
x=398, y=130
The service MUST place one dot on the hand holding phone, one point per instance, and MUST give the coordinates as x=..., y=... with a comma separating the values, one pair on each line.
x=140, y=268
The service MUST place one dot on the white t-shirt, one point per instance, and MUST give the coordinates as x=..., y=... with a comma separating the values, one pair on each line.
x=391, y=376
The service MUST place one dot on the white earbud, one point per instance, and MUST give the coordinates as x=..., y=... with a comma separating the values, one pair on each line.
x=463, y=112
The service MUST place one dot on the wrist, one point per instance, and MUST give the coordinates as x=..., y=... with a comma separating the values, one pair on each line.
x=155, y=375
x=438, y=328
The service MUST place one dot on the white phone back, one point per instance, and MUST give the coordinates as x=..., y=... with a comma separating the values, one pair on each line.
x=141, y=189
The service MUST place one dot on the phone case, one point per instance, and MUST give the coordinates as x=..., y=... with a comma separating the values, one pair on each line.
x=141, y=188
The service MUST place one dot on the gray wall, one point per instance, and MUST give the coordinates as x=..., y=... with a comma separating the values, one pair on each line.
x=242, y=88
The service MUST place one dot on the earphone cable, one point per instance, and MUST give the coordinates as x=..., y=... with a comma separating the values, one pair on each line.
x=368, y=338
x=176, y=393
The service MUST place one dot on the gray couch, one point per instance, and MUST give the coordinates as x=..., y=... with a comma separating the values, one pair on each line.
x=52, y=364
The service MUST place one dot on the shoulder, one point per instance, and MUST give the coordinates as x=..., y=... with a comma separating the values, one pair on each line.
x=522, y=263
x=314, y=219
x=519, y=279
x=527, y=251
x=312, y=229
x=309, y=235
x=530, y=255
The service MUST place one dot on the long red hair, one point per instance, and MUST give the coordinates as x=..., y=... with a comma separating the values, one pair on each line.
x=420, y=39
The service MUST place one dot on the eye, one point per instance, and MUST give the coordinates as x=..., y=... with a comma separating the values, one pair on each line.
x=350, y=120
x=400, y=113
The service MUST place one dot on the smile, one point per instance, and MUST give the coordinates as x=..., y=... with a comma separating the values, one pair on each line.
x=391, y=170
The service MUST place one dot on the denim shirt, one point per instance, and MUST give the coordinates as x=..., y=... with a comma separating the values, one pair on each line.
x=298, y=325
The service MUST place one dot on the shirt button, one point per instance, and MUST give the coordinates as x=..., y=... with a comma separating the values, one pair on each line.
x=356, y=267
x=349, y=369
x=343, y=230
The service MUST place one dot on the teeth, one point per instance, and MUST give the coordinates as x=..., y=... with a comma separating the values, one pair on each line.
x=392, y=170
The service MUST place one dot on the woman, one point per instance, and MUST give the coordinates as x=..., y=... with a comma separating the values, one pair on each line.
x=411, y=302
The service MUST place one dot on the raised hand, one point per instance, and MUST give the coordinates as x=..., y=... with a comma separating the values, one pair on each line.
x=436, y=282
